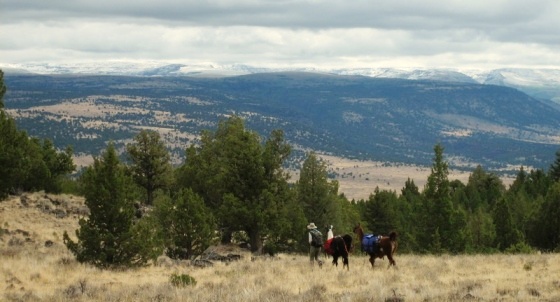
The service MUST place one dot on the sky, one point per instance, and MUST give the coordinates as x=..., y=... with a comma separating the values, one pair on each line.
x=285, y=33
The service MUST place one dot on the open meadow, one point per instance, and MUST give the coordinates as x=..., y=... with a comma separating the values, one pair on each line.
x=36, y=266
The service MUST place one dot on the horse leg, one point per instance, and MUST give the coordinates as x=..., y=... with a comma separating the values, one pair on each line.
x=372, y=260
x=335, y=260
x=345, y=262
x=391, y=260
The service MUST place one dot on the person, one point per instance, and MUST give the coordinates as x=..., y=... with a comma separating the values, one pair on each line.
x=314, y=248
x=330, y=232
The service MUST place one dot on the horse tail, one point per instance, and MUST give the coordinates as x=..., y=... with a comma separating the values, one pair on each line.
x=393, y=236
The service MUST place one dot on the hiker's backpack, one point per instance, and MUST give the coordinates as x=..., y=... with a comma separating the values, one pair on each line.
x=327, y=246
x=316, y=238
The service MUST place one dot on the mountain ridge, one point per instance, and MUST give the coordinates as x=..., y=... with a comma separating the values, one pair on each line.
x=543, y=83
x=351, y=116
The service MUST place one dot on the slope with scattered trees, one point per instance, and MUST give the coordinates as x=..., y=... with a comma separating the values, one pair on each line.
x=231, y=187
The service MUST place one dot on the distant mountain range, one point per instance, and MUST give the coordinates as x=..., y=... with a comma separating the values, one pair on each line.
x=343, y=113
x=543, y=84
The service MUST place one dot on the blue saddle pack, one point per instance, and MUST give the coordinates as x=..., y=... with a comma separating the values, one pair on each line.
x=369, y=243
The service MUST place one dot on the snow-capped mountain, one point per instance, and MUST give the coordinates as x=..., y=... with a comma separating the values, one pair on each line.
x=540, y=83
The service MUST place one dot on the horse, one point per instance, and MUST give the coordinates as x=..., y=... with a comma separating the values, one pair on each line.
x=386, y=246
x=339, y=247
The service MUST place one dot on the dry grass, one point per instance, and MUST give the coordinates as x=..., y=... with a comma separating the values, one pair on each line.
x=358, y=179
x=32, y=271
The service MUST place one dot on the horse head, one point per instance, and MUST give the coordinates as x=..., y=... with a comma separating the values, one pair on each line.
x=359, y=231
x=348, y=242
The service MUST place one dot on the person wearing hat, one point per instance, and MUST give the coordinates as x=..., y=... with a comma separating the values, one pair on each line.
x=315, y=243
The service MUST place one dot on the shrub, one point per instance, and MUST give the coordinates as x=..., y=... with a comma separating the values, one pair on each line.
x=520, y=248
x=182, y=280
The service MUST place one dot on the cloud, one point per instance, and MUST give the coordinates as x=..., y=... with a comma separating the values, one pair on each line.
x=336, y=33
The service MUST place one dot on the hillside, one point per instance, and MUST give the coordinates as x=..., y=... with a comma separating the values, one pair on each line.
x=36, y=266
x=363, y=118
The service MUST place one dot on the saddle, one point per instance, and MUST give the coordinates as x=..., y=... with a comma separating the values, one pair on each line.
x=327, y=246
x=370, y=243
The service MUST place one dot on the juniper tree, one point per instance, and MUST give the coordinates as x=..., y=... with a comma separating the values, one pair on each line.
x=107, y=237
x=186, y=225
x=316, y=193
x=28, y=163
x=151, y=165
x=240, y=179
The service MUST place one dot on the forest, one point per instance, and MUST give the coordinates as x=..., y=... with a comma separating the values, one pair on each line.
x=232, y=187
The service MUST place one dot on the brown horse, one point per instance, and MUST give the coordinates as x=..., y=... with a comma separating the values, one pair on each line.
x=386, y=246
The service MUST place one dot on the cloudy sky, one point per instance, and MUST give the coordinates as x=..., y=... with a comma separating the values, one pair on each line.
x=285, y=33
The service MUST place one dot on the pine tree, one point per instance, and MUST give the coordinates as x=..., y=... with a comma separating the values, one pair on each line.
x=411, y=222
x=506, y=233
x=484, y=188
x=151, y=166
x=481, y=231
x=546, y=226
x=106, y=238
x=380, y=214
x=440, y=212
x=316, y=193
x=554, y=171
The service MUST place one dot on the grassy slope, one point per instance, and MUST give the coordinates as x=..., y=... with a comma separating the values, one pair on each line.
x=30, y=271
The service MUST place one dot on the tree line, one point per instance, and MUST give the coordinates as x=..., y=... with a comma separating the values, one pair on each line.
x=232, y=187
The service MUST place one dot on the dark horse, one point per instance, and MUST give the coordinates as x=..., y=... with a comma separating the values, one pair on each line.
x=339, y=247
x=386, y=246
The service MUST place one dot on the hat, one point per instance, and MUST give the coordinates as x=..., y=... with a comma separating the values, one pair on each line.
x=311, y=226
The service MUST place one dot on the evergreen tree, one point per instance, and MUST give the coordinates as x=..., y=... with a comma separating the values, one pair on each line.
x=507, y=234
x=240, y=179
x=411, y=219
x=380, y=214
x=151, y=166
x=287, y=219
x=58, y=164
x=546, y=227
x=485, y=188
x=554, y=171
x=523, y=209
x=12, y=149
x=3, y=89
x=106, y=238
x=15, y=161
x=481, y=231
x=316, y=193
x=27, y=164
x=538, y=183
x=441, y=216
x=286, y=226
x=349, y=216
x=519, y=182
x=185, y=223
x=525, y=197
